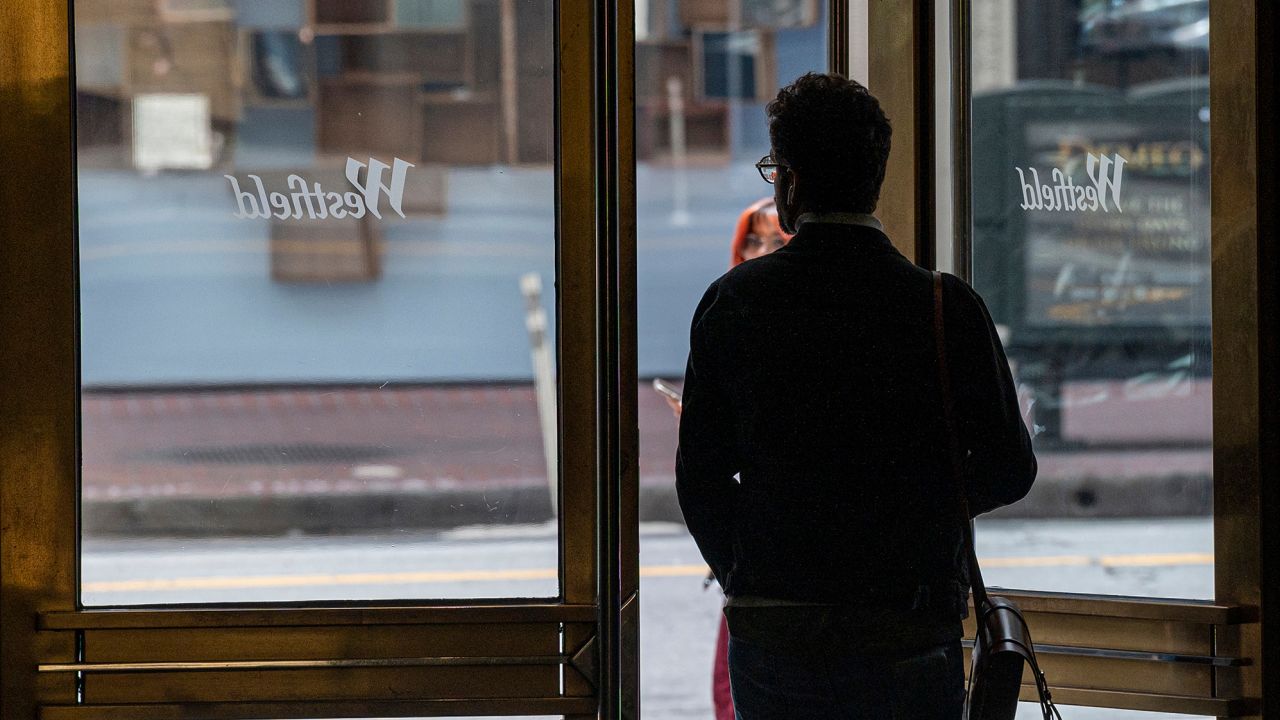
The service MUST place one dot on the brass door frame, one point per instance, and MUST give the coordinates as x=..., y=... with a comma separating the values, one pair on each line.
x=40, y=623
x=308, y=660
x=576, y=655
x=900, y=52
x=1158, y=655
x=38, y=355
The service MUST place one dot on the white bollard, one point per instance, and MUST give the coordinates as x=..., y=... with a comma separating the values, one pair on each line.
x=544, y=382
x=679, y=152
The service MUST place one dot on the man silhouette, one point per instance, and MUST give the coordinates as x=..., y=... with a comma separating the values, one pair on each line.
x=815, y=476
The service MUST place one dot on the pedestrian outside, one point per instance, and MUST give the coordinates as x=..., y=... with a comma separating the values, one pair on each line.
x=756, y=233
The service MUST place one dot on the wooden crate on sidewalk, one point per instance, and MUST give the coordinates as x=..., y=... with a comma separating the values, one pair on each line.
x=328, y=250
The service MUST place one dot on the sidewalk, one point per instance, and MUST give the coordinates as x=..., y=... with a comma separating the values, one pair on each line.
x=332, y=460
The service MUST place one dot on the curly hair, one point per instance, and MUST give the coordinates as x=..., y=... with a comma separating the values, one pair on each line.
x=833, y=132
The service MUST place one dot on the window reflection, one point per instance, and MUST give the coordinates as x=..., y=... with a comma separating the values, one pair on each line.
x=1091, y=180
x=317, y=264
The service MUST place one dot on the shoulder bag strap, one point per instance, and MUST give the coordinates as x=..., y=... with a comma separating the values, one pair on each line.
x=953, y=449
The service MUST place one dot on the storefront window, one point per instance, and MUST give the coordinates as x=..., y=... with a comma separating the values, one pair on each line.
x=317, y=250
x=1090, y=245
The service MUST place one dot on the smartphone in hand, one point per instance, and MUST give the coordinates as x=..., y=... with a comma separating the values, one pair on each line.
x=666, y=390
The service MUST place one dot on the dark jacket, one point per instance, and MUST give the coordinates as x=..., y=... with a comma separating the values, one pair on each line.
x=812, y=462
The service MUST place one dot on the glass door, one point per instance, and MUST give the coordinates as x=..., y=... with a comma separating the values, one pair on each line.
x=1087, y=210
x=325, y=325
x=704, y=73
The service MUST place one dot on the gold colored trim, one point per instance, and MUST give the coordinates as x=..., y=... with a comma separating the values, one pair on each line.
x=1187, y=611
x=38, y=457
x=154, y=667
x=38, y=363
x=961, y=139
x=1244, y=306
x=629, y=443
x=576, y=322
x=629, y=424
x=1132, y=653
x=628, y=414
x=204, y=617
x=577, y=340
x=1146, y=702
x=1137, y=655
x=336, y=709
x=838, y=37
x=900, y=54
x=310, y=686
x=614, y=293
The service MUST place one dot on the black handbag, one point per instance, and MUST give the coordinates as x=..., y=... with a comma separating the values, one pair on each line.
x=1002, y=649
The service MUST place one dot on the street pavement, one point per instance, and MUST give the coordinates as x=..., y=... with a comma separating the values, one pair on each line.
x=274, y=460
x=245, y=404
x=1165, y=558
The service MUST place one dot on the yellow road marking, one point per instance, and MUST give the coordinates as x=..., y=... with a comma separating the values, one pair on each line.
x=262, y=581
x=674, y=571
x=402, y=578
x=1156, y=560
x=1049, y=561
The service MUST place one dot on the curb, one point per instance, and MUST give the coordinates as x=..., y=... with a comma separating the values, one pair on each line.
x=1084, y=497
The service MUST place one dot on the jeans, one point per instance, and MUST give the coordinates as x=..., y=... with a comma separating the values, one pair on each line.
x=925, y=685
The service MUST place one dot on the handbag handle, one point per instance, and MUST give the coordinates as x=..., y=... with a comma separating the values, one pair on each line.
x=953, y=450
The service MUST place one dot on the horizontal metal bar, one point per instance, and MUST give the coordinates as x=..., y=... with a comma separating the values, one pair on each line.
x=331, y=709
x=151, y=645
x=196, y=666
x=1204, y=613
x=1147, y=702
x=1043, y=649
x=204, y=616
x=1191, y=611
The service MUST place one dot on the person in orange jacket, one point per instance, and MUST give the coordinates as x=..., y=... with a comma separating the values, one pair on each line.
x=758, y=232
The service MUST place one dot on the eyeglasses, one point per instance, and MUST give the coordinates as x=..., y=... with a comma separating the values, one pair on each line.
x=769, y=168
x=754, y=242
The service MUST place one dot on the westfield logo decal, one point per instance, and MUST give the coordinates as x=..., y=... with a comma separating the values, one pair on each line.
x=1062, y=194
x=312, y=201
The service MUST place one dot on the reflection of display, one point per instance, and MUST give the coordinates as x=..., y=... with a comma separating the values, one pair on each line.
x=748, y=14
x=277, y=64
x=1147, y=265
x=439, y=14
x=171, y=131
x=779, y=13
x=994, y=44
x=737, y=65
x=1111, y=26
